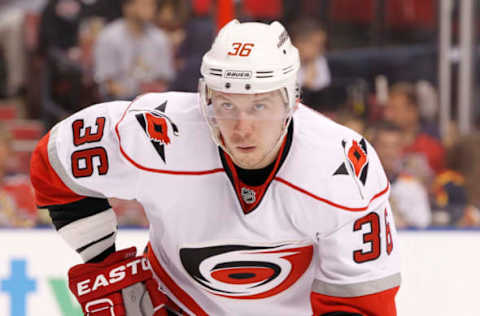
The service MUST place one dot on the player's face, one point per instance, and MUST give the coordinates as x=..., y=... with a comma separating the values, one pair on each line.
x=251, y=126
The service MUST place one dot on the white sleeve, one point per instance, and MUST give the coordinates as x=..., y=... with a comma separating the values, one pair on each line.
x=361, y=257
x=74, y=168
x=84, y=151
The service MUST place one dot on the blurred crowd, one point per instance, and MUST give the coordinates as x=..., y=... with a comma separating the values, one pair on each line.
x=59, y=56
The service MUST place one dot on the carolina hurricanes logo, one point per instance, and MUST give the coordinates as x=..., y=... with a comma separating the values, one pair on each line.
x=357, y=159
x=246, y=272
x=158, y=127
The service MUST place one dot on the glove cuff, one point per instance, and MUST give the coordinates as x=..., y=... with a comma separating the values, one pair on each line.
x=95, y=280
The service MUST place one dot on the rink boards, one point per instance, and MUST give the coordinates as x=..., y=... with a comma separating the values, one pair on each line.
x=440, y=272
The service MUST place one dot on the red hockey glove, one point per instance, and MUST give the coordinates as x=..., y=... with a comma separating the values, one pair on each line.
x=117, y=286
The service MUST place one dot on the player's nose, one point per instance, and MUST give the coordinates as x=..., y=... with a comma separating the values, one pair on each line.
x=243, y=124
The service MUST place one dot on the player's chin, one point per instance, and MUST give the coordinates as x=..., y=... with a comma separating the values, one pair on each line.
x=247, y=161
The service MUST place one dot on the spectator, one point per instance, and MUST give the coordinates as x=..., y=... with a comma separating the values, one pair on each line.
x=109, y=10
x=172, y=17
x=428, y=107
x=265, y=11
x=58, y=43
x=12, y=43
x=314, y=76
x=17, y=206
x=352, y=121
x=409, y=198
x=457, y=190
x=199, y=35
x=403, y=110
x=89, y=30
x=467, y=157
x=132, y=56
x=449, y=198
x=293, y=9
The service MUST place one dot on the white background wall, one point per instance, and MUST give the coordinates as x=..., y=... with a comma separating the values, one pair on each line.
x=441, y=269
x=441, y=273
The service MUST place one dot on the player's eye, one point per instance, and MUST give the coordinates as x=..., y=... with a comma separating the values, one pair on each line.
x=227, y=106
x=259, y=106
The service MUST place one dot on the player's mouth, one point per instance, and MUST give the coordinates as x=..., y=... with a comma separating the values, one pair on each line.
x=245, y=149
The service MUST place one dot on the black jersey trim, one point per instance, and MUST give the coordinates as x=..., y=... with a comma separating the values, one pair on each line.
x=103, y=255
x=94, y=242
x=255, y=177
x=65, y=214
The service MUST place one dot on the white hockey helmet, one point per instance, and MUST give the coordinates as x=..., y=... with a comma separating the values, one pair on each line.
x=249, y=58
x=252, y=58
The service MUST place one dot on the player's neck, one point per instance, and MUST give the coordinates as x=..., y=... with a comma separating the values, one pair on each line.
x=258, y=176
x=255, y=177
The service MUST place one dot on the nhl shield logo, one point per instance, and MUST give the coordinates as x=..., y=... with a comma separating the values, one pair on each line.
x=248, y=195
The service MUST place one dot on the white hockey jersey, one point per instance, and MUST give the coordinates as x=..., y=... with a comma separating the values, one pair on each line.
x=318, y=234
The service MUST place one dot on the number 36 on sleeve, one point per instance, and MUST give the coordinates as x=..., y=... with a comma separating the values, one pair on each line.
x=373, y=237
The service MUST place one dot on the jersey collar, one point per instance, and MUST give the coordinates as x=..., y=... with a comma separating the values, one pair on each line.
x=250, y=196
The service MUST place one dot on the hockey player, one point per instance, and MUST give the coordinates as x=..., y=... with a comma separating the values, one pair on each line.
x=257, y=205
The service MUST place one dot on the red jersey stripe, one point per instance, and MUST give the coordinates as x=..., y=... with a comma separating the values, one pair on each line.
x=49, y=188
x=179, y=293
x=378, y=304
x=346, y=208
